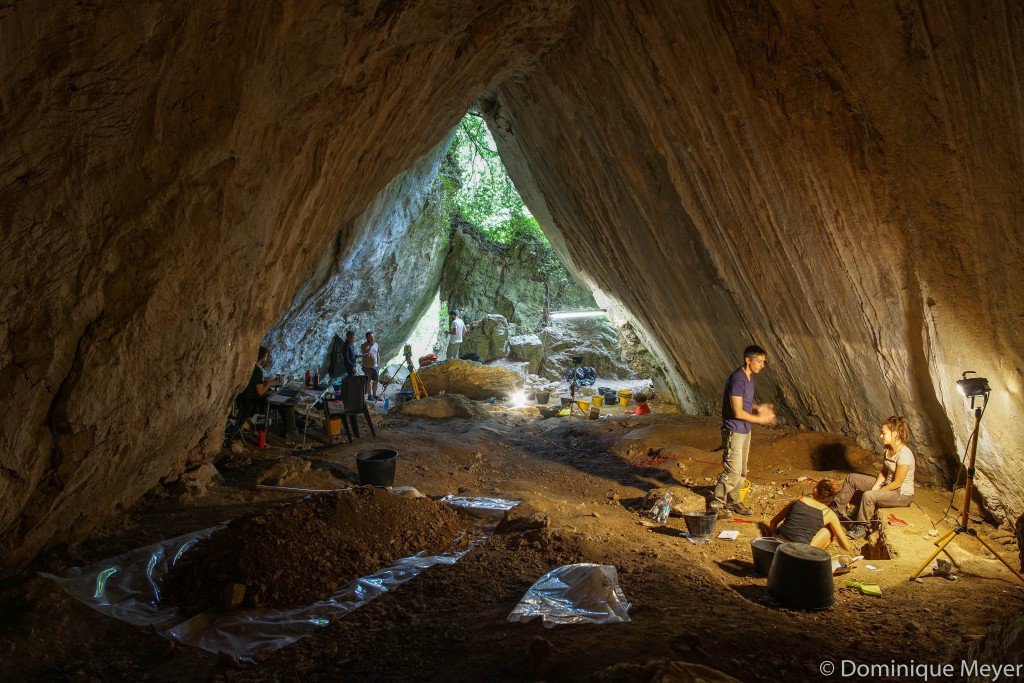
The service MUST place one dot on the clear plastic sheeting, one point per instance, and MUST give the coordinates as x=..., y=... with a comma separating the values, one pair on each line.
x=128, y=587
x=575, y=594
x=490, y=508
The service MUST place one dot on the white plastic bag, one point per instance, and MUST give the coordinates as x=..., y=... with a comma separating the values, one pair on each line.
x=575, y=594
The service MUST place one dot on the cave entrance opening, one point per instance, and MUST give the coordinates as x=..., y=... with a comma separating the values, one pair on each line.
x=524, y=308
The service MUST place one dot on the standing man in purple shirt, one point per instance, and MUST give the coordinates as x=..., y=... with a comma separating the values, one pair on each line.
x=739, y=412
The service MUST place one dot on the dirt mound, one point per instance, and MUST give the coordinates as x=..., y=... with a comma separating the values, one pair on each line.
x=443, y=407
x=299, y=553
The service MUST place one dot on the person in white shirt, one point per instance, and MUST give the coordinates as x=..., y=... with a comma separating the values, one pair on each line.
x=371, y=365
x=455, y=330
x=892, y=487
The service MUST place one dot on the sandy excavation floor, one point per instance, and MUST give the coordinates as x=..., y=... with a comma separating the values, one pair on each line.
x=690, y=603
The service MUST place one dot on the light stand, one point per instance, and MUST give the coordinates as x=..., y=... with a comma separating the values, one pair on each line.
x=972, y=388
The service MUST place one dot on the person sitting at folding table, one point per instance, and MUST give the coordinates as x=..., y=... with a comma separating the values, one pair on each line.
x=809, y=519
x=892, y=487
x=251, y=401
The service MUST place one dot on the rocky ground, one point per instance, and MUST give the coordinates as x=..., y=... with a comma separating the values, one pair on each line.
x=693, y=604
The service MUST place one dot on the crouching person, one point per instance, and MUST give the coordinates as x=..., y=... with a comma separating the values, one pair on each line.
x=892, y=487
x=810, y=519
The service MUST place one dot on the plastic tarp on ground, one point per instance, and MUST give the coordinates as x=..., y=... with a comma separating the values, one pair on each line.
x=575, y=594
x=128, y=587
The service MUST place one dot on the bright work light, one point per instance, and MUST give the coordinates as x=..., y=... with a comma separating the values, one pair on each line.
x=973, y=387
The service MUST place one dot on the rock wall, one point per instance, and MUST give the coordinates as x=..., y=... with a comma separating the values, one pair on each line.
x=383, y=282
x=837, y=182
x=170, y=174
x=593, y=339
x=483, y=276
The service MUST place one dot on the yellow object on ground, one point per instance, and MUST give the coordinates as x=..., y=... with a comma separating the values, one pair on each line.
x=584, y=405
x=866, y=588
x=744, y=490
x=624, y=397
x=333, y=428
x=597, y=400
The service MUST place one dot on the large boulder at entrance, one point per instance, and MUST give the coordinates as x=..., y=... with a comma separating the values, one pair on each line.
x=443, y=406
x=527, y=348
x=471, y=379
x=592, y=338
x=488, y=338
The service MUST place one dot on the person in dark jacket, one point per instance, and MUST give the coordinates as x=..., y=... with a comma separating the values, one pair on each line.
x=349, y=355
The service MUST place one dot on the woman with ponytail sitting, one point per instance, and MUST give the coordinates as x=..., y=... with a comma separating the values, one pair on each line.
x=810, y=519
x=892, y=487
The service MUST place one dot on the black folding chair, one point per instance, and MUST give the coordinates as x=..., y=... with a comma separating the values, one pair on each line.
x=354, y=398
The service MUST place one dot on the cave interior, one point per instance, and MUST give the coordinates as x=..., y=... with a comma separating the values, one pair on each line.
x=838, y=183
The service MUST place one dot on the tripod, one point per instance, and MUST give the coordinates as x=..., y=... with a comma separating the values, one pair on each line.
x=964, y=526
x=577, y=361
x=418, y=388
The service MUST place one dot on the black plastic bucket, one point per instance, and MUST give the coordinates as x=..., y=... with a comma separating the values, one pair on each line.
x=801, y=577
x=763, y=550
x=543, y=397
x=376, y=467
x=700, y=524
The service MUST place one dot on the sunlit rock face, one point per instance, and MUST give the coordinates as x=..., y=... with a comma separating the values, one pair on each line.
x=382, y=283
x=170, y=175
x=482, y=276
x=838, y=184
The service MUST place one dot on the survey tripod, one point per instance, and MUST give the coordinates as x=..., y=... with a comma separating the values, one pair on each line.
x=964, y=527
x=418, y=388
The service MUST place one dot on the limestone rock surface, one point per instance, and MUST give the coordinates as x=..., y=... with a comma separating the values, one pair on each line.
x=170, y=176
x=527, y=348
x=382, y=283
x=484, y=276
x=837, y=185
x=487, y=337
x=592, y=338
x=471, y=379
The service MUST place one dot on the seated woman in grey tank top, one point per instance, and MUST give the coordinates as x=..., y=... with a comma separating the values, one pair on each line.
x=809, y=519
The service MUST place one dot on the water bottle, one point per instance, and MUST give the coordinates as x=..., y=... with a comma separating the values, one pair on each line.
x=662, y=508
x=387, y=403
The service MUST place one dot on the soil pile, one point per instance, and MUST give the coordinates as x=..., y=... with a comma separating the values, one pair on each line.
x=299, y=553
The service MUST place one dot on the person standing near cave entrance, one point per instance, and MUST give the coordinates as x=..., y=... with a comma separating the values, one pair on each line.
x=455, y=330
x=739, y=412
x=349, y=355
x=371, y=365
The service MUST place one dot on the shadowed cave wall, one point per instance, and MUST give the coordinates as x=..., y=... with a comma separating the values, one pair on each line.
x=839, y=183
x=834, y=182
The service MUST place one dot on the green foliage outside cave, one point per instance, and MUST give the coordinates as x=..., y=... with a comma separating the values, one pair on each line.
x=485, y=196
